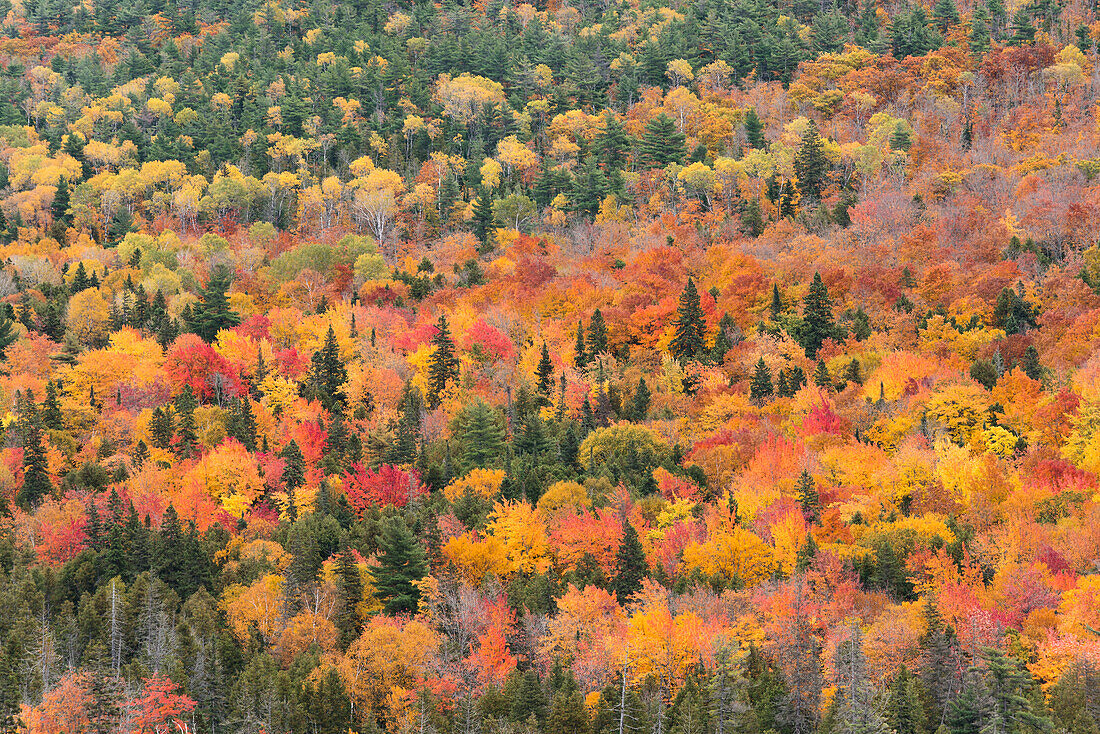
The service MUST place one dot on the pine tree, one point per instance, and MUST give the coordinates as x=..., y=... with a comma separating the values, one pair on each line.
x=817, y=318
x=443, y=367
x=611, y=144
x=810, y=164
x=327, y=375
x=483, y=436
x=754, y=129
x=51, y=408
x=401, y=564
x=212, y=313
x=483, y=216
x=1008, y=703
x=904, y=708
x=900, y=139
x=808, y=498
x=294, y=470
x=630, y=565
x=1023, y=31
x=241, y=424
x=162, y=427
x=822, y=378
x=580, y=354
x=188, y=432
x=662, y=143
x=760, y=388
x=689, y=343
x=348, y=619
x=36, y=476
x=1031, y=365
x=597, y=335
x=945, y=14
x=545, y=376
x=589, y=188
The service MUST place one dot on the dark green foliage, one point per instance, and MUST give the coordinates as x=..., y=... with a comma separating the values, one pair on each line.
x=630, y=565
x=689, y=343
x=544, y=374
x=810, y=164
x=212, y=313
x=327, y=376
x=401, y=563
x=808, y=498
x=350, y=582
x=760, y=387
x=443, y=367
x=754, y=129
x=597, y=335
x=662, y=143
x=817, y=318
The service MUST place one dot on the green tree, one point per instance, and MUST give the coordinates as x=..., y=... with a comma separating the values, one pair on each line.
x=689, y=343
x=754, y=129
x=545, y=376
x=760, y=387
x=443, y=367
x=817, y=318
x=642, y=397
x=580, y=354
x=348, y=619
x=482, y=436
x=808, y=497
x=212, y=313
x=597, y=334
x=327, y=376
x=662, y=143
x=401, y=563
x=188, y=432
x=810, y=164
x=51, y=408
x=483, y=216
x=36, y=476
x=630, y=565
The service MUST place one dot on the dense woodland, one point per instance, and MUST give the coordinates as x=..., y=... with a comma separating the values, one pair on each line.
x=618, y=367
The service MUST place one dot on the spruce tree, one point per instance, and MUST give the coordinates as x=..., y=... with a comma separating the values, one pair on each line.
x=401, y=563
x=483, y=216
x=689, y=343
x=327, y=376
x=294, y=470
x=350, y=582
x=36, y=476
x=808, y=498
x=51, y=408
x=662, y=143
x=630, y=565
x=443, y=367
x=597, y=334
x=188, y=432
x=810, y=164
x=760, y=388
x=162, y=427
x=545, y=376
x=483, y=436
x=754, y=129
x=580, y=354
x=822, y=378
x=817, y=318
x=212, y=313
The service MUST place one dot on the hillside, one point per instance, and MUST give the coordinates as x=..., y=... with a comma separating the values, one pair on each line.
x=640, y=367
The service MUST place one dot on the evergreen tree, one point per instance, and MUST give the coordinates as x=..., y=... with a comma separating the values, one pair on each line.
x=630, y=565
x=443, y=367
x=1023, y=31
x=350, y=582
x=904, y=708
x=294, y=470
x=188, y=432
x=327, y=376
x=817, y=318
x=760, y=388
x=580, y=354
x=212, y=313
x=1008, y=703
x=945, y=14
x=662, y=143
x=51, y=408
x=36, y=475
x=483, y=436
x=822, y=378
x=689, y=343
x=589, y=188
x=162, y=427
x=1031, y=365
x=483, y=216
x=808, y=498
x=597, y=334
x=810, y=164
x=400, y=565
x=545, y=376
x=754, y=129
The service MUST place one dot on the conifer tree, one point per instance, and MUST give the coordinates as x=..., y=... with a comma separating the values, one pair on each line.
x=808, y=498
x=580, y=354
x=212, y=313
x=822, y=378
x=630, y=565
x=597, y=335
x=188, y=433
x=642, y=398
x=817, y=317
x=443, y=367
x=400, y=565
x=689, y=343
x=810, y=164
x=348, y=619
x=51, y=408
x=483, y=216
x=36, y=477
x=483, y=436
x=545, y=374
x=162, y=427
x=754, y=129
x=662, y=143
x=760, y=388
x=327, y=375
